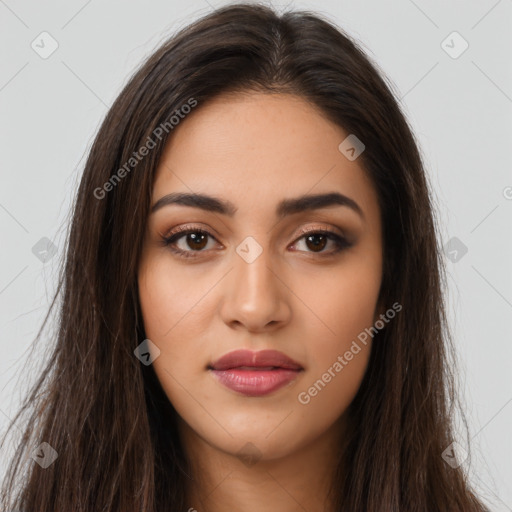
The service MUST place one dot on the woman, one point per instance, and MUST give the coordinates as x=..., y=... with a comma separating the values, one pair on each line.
x=252, y=314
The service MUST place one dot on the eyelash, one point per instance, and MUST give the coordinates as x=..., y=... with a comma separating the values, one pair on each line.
x=168, y=241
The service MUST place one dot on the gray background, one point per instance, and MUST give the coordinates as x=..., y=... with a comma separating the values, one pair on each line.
x=460, y=109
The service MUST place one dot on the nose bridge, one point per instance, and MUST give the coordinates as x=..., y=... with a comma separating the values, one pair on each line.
x=256, y=297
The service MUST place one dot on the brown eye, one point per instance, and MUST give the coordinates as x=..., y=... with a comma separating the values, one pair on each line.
x=190, y=242
x=186, y=242
x=196, y=241
x=316, y=242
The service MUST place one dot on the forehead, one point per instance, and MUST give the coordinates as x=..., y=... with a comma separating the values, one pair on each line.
x=255, y=149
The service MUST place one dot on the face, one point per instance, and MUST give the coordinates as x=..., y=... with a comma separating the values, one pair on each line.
x=253, y=269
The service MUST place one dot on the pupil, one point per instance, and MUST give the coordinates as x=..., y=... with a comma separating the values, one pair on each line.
x=316, y=244
x=196, y=240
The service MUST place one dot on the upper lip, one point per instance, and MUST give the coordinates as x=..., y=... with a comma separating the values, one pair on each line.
x=263, y=358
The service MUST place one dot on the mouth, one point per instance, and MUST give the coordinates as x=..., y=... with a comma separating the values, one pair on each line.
x=255, y=373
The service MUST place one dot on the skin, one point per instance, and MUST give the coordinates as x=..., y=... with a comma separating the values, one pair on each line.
x=255, y=150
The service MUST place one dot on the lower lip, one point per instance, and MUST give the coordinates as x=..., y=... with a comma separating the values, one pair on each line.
x=255, y=382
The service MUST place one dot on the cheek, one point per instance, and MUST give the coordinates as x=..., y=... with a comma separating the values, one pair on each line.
x=341, y=301
x=339, y=345
x=174, y=307
x=169, y=296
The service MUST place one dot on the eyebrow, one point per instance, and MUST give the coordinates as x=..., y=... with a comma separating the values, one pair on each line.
x=284, y=208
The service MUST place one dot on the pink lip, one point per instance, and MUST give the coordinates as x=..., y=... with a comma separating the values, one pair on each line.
x=255, y=373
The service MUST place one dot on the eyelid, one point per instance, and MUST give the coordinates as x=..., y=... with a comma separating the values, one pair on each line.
x=171, y=236
x=302, y=231
x=305, y=230
x=188, y=228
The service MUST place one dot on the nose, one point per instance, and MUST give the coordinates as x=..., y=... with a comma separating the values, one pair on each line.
x=256, y=297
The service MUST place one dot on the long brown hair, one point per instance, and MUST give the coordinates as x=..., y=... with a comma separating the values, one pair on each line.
x=105, y=413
